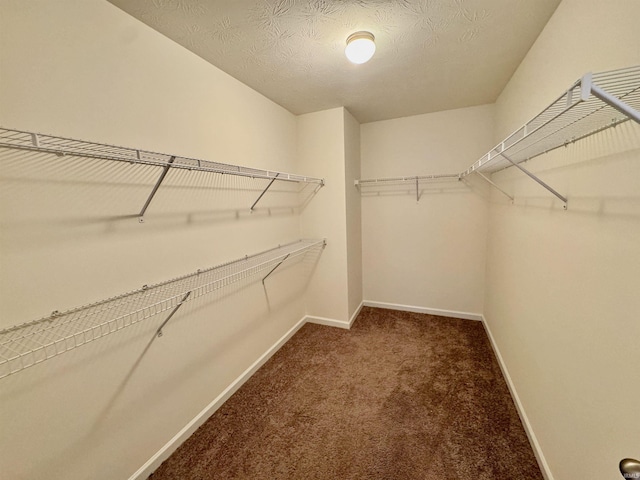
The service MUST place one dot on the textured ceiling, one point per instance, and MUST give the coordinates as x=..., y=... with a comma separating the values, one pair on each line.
x=431, y=54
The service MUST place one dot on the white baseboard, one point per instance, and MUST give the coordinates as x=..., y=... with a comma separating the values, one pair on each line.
x=335, y=323
x=330, y=322
x=355, y=314
x=537, y=450
x=154, y=462
x=430, y=311
x=172, y=445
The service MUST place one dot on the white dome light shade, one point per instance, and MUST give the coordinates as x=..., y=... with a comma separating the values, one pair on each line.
x=360, y=47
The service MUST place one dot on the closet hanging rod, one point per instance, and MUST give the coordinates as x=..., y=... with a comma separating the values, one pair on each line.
x=25, y=140
x=30, y=343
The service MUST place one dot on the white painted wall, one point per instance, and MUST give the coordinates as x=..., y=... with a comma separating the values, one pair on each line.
x=560, y=294
x=353, y=212
x=69, y=236
x=428, y=253
x=321, y=153
x=329, y=147
x=562, y=287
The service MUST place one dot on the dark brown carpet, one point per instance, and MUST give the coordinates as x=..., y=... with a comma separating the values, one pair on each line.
x=399, y=396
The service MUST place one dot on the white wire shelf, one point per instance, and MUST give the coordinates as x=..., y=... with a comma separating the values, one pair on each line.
x=67, y=146
x=404, y=180
x=375, y=184
x=23, y=140
x=30, y=343
x=592, y=104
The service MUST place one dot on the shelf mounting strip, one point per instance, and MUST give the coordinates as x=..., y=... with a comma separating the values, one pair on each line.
x=30, y=343
x=23, y=140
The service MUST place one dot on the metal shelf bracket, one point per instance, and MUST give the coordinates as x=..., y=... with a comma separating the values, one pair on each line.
x=490, y=182
x=165, y=170
x=264, y=191
x=537, y=180
x=614, y=102
x=324, y=244
x=175, y=309
x=274, y=268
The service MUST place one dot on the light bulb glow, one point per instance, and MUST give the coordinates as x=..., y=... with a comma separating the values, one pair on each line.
x=360, y=47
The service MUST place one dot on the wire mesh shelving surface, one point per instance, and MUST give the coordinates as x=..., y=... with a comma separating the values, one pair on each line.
x=403, y=180
x=28, y=344
x=23, y=140
x=576, y=114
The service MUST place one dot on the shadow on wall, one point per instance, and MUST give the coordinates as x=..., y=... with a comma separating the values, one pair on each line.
x=409, y=188
x=73, y=196
x=215, y=351
x=622, y=208
x=89, y=328
x=197, y=343
x=599, y=175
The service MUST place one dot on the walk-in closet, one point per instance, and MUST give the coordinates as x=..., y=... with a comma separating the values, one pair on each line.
x=282, y=239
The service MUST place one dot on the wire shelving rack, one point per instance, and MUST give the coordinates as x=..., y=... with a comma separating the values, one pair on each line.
x=414, y=181
x=592, y=104
x=30, y=343
x=60, y=146
x=403, y=180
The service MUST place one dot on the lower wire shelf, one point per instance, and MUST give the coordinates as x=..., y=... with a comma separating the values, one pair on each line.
x=30, y=343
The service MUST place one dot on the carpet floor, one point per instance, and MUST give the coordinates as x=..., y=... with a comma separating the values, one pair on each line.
x=399, y=396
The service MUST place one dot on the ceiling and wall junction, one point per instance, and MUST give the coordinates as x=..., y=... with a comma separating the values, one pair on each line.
x=432, y=55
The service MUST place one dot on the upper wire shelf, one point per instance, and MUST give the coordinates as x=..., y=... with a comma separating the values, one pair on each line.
x=30, y=343
x=23, y=140
x=67, y=146
x=415, y=181
x=400, y=180
x=592, y=104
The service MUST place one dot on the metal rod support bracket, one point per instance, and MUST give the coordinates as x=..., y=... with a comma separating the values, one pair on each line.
x=264, y=191
x=488, y=180
x=615, y=103
x=175, y=309
x=274, y=268
x=165, y=170
x=537, y=180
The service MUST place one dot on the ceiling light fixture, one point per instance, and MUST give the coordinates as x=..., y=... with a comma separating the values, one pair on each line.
x=360, y=47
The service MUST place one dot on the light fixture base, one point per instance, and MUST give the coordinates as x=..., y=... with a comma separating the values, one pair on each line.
x=361, y=34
